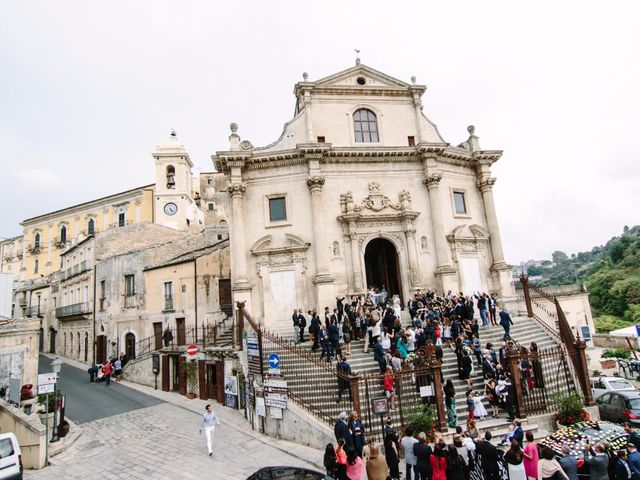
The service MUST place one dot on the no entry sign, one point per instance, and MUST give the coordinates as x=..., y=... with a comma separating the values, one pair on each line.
x=192, y=350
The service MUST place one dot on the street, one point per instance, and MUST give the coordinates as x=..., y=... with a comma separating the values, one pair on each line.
x=127, y=433
x=88, y=401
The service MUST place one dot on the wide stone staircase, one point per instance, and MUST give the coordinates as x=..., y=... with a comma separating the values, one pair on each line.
x=301, y=377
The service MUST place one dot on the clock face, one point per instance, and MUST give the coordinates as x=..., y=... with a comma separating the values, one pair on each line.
x=170, y=208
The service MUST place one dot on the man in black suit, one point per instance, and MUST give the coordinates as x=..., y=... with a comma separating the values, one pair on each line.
x=296, y=326
x=422, y=451
x=343, y=384
x=334, y=338
x=302, y=323
x=518, y=433
x=488, y=455
x=341, y=430
x=378, y=356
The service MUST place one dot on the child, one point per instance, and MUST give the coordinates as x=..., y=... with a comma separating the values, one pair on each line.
x=479, y=410
x=471, y=405
x=388, y=387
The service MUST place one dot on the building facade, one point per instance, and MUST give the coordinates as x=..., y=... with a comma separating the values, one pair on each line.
x=359, y=191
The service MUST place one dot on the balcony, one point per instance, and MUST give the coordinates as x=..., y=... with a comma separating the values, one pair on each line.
x=82, y=267
x=34, y=312
x=131, y=300
x=75, y=310
x=168, y=304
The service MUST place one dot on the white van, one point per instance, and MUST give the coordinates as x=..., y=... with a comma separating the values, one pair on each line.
x=10, y=457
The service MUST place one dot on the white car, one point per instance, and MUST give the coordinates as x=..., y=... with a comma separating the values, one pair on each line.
x=602, y=385
x=10, y=457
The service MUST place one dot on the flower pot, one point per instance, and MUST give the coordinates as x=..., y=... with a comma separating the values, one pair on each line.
x=608, y=363
x=47, y=418
x=191, y=396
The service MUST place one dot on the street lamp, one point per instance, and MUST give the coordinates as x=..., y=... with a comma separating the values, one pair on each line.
x=56, y=366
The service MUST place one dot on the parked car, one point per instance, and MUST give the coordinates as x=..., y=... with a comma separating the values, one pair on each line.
x=621, y=406
x=287, y=473
x=10, y=457
x=602, y=385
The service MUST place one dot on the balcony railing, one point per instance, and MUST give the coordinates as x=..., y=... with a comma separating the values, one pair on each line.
x=82, y=267
x=168, y=303
x=33, y=312
x=77, y=309
x=130, y=300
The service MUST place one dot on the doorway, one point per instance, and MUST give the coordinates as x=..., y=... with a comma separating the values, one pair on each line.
x=41, y=341
x=52, y=340
x=382, y=267
x=130, y=346
x=86, y=347
x=157, y=335
x=215, y=381
x=180, y=327
x=101, y=349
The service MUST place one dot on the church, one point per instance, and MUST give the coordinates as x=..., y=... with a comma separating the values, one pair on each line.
x=359, y=191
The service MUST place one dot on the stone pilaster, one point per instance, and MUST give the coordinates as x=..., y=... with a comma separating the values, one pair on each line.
x=237, y=190
x=410, y=234
x=315, y=184
x=432, y=181
x=486, y=187
x=356, y=263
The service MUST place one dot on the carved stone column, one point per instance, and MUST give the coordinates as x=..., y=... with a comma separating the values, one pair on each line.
x=486, y=187
x=236, y=190
x=410, y=234
x=355, y=262
x=315, y=184
x=432, y=182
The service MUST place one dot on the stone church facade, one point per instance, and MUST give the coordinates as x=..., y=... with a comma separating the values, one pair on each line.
x=360, y=190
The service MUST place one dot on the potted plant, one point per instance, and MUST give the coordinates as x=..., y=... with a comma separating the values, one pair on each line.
x=42, y=401
x=422, y=418
x=610, y=355
x=191, y=374
x=27, y=398
x=570, y=409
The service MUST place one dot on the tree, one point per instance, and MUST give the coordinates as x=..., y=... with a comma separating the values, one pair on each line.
x=559, y=257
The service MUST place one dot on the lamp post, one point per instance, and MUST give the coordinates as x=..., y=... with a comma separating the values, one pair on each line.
x=56, y=366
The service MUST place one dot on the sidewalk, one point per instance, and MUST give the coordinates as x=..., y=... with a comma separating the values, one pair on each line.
x=229, y=416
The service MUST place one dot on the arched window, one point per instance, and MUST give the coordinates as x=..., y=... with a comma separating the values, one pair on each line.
x=91, y=227
x=36, y=264
x=365, y=126
x=63, y=234
x=36, y=241
x=171, y=177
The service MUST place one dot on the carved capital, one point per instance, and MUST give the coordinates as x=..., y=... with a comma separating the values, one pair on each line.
x=315, y=183
x=486, y=184
x=237, y=189
x=432, y=181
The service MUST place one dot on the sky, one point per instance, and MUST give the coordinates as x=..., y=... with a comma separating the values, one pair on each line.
x=88, y=89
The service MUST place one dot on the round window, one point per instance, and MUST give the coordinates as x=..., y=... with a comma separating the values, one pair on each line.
x=361, y=80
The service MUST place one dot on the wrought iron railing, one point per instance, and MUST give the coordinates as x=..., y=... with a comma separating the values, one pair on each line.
x=76, y=309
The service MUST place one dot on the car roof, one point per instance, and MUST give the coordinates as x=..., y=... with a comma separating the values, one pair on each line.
x=629, y=394
x=609, y=378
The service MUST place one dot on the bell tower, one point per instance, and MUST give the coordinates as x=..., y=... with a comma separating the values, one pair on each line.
x=174, y=205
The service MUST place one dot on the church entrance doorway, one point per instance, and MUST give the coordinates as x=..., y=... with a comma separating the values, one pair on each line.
x=382, y=267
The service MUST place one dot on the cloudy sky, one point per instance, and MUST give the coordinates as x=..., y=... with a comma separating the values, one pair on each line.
x=88, y=89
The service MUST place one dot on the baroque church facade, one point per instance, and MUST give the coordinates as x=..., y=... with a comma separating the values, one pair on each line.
x=359, y=191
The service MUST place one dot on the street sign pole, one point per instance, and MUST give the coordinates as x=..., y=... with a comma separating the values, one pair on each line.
x=46, y=429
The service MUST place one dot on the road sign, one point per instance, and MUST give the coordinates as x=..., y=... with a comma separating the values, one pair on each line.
x=276, y=396
x=275, y=403
x=275, y=413
x=192, y=350
x=46, y=378
x=274, y=360
x=274, y=371
x=275, y=383
x=46, y=388
x=282, y=391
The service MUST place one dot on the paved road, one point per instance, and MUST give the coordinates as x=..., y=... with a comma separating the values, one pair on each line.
x=88, y=401
x=162, y=443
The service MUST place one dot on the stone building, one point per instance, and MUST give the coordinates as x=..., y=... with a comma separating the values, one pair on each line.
x=360, y=190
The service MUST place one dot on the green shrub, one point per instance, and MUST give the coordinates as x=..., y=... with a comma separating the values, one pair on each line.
x=606, y=323
x=570, y=408
x=422, y=418
x=616, y=353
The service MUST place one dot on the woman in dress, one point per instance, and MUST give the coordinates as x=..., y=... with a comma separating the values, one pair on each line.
x=330, y=460
x=525, y=371
x=357, y=432
x=467, y=368
x=347, y=333
x=396, y=305
x=439, y=461
x=531, y=457
x=515, y=462
x=355, y=465
x=450, y=403
x=538, y=379
x=492, y=396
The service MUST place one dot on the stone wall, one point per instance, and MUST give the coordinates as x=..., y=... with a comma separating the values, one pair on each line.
x=604, y=340
x=19, y=350
x=140, y=372
x=300, y=427
x=29, y=431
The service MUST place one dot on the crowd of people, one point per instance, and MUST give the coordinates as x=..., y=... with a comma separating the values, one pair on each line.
x=448, y=321
x=471, y=455
x=103, y=372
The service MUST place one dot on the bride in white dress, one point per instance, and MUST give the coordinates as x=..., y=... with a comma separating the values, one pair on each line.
x=396, y=305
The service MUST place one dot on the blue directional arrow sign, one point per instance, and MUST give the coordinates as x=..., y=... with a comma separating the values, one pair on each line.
x=274, y=360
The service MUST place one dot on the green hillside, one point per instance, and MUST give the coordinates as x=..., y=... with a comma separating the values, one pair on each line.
x=611, y=273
